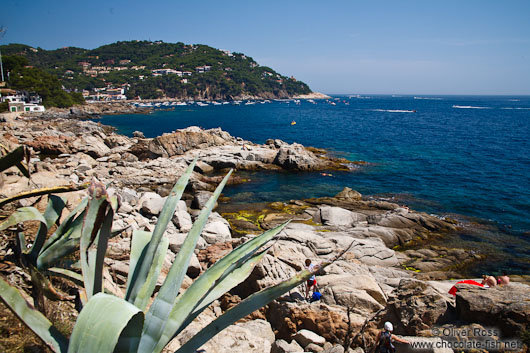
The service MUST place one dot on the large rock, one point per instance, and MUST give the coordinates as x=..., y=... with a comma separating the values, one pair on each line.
x=238, y=338
x=506, y=306
x=50, y=145
x=354, y=290
x=296, y=157
x=151, y=203
x=415, y=306
x=182, y=218
x=305, y=337
x=92, y=146
x=200, y=198
x=184, y=140
x=327, y=321
x=282, y=346
x=217, y=231
x=336, y=216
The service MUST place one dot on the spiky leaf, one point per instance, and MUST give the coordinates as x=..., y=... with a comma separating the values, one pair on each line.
x=145, y=263
x=138, y=247
x=103, y=321
x=246, y=307
x=32, y=318
x=160, y=310
x=191, y=299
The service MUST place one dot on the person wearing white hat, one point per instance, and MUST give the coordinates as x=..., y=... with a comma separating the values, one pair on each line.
x=385, y=339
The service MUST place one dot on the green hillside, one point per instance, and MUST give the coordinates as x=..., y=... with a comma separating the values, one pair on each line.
x=230, y=75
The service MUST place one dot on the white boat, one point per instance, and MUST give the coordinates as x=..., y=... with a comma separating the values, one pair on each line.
x=201, y=104
x=181, y=103
x=216, y=103
x=250, y=103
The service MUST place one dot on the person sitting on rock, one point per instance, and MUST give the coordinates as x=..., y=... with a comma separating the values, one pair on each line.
x=385, y=338
x=311, y=283
x=503, y=280
x=489, y=281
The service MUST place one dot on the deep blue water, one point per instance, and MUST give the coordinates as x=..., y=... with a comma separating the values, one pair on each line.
x=468, y=157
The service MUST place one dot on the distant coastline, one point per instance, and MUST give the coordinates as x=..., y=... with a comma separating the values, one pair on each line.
x=312, y=95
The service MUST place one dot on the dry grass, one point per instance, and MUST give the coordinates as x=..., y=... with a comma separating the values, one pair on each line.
x=15, y=336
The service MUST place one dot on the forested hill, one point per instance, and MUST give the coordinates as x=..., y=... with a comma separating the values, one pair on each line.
x=157, y=69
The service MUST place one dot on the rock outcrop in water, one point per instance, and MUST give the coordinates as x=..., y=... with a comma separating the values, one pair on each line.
x=373, y=282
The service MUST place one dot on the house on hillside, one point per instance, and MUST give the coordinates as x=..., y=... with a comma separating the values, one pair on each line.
x=164, y=72
x=22, y=101
x=202, y=69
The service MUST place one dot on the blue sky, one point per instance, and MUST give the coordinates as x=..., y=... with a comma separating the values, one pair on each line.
x=388, y=47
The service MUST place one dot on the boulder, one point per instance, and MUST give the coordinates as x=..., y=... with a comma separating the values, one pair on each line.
x=507, y=306
x=415, y=306
x=183, y=140
x=50, y=145
x=259, y=328
x=217, y=231
x=282, y=346
x=130, y=196
x=200, y=198
x=335, y=216
x=91, y=145
x=212, y=253
x=237, y=339
x=345, y=285
x=313, y=347
x=182, y=219
x=330, y=322
x=334, y=349
x=305, y=337
x=203, y=167
x=296, y=157
x=349, y=194
x=151, y=203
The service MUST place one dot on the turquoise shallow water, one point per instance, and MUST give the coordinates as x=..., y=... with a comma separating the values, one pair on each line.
x=463, y=156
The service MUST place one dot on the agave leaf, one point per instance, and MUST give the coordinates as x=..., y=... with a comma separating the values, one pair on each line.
x=102, y=242
x=139, y=244
x=53, y=211
x=43, y=283
x=226, y=284
x=12, y=158
x=236, y=276
x=187, y=303
x=32, y=318
x=140, y=240
x=68, y=223
x=24, y=214
x=247, y=306
x=21, y=243
x=65, y=243
x=145, y=263
x=67, y=274
x=91, y=224
x=159, y=311
x=122, y=322
x=21, y=215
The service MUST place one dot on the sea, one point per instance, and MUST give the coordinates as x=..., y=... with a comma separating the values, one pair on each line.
x=465, y=157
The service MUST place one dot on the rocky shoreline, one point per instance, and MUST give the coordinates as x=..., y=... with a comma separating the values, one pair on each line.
x=96, y=109
x=378, y=279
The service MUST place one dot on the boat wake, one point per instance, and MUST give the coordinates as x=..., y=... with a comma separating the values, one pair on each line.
x=469, y=107
x=430, y=98
x=394, y=110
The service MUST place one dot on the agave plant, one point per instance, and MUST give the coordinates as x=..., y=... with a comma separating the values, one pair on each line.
x=15, y=158
x=111, y=324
